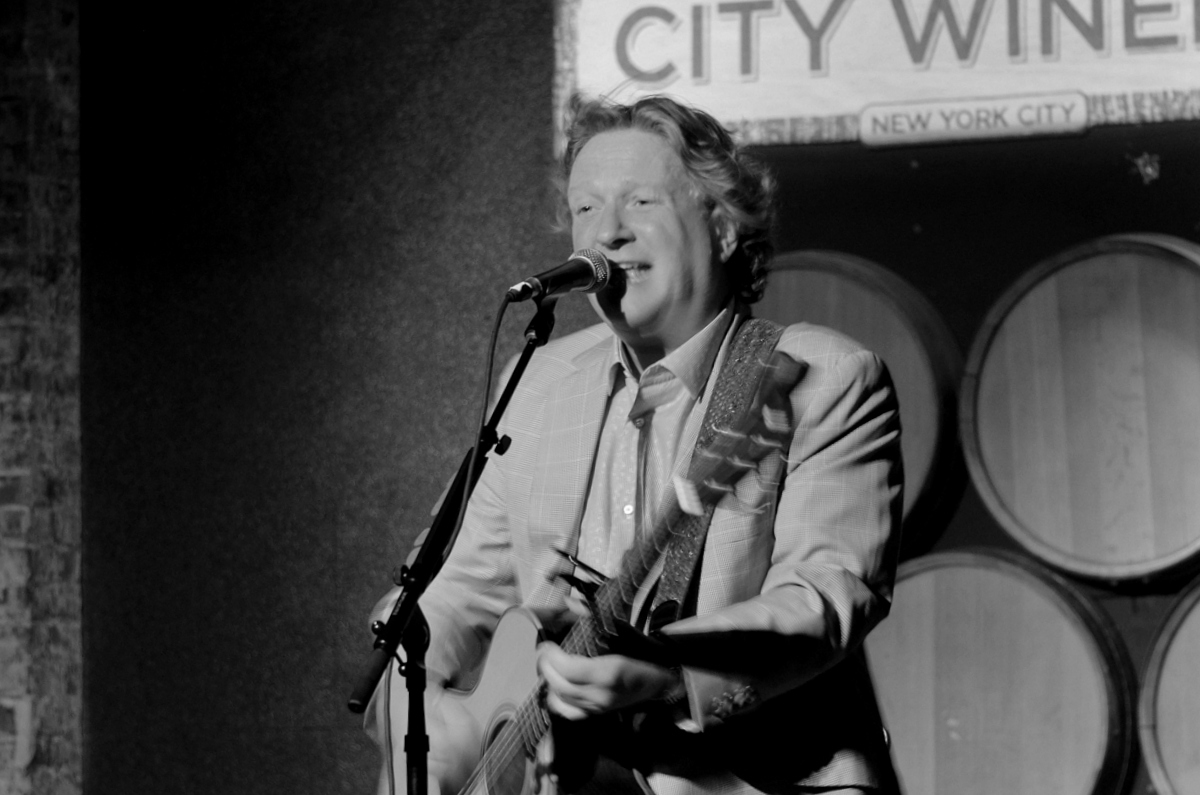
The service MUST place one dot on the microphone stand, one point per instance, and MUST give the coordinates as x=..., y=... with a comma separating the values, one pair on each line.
x=407, y=626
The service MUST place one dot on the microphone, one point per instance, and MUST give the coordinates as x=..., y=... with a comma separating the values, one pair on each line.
x=586, y=271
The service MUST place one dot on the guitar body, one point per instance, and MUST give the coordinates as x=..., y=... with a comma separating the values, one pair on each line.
x=509, y=676
x=499, y=704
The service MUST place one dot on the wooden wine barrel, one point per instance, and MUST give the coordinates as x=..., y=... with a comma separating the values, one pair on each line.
x=1081, y=408
x=1169, y=706
x=995, y=676
x=886, y=314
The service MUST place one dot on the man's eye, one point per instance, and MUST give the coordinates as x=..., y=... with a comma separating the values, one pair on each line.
x=583, y=209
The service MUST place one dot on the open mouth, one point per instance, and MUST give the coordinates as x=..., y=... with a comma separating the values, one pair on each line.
x=634, y=272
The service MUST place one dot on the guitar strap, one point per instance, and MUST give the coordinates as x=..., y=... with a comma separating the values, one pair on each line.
x=736, y=384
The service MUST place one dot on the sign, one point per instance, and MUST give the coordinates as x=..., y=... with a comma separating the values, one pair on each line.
x=890, y=71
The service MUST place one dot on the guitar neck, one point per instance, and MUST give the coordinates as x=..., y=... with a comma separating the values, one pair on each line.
x=614, y=599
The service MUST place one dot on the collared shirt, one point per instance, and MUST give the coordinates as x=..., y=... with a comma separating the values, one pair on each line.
x=639, y=441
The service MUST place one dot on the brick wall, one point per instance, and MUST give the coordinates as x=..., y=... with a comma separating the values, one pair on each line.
x=40, y=655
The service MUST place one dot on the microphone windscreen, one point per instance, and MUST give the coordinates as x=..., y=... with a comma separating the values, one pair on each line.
x=600, y=266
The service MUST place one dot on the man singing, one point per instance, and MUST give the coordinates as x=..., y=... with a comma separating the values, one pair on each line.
x=794, y=564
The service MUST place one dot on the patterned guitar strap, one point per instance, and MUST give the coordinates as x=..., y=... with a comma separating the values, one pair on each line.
x=735, y=387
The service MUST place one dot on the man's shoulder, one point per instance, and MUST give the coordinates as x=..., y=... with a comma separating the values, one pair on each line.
x=580, y=350
x=810, y=340
x=575, y=349
x=571, y=345
x=832, y=357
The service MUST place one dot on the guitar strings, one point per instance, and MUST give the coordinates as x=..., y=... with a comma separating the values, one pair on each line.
x=530, y=723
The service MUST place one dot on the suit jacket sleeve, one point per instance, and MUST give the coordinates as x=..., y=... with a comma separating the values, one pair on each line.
x=833, y=553
x=476, y=584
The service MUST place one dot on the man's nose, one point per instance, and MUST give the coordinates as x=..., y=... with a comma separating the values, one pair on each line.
x=611, y=230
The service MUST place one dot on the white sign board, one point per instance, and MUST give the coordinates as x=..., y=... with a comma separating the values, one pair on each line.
x=891, y=71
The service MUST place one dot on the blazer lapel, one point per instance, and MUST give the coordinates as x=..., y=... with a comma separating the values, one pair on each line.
x=574, y=414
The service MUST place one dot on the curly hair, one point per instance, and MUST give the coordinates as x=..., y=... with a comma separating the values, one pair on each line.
x=736, y=189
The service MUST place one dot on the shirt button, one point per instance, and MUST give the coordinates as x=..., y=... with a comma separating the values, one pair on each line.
x=628, y=510
x=639, y=422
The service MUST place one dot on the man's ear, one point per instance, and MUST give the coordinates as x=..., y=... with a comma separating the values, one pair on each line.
x=725, y=234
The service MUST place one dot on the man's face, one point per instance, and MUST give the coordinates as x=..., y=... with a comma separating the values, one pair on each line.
x=630, y=199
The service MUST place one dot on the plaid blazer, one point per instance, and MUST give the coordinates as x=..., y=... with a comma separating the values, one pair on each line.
x=797, y=566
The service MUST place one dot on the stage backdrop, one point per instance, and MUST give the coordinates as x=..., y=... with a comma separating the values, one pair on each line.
x=904, y=71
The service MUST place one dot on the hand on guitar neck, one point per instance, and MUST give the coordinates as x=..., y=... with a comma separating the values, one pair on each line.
x=578, y=687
